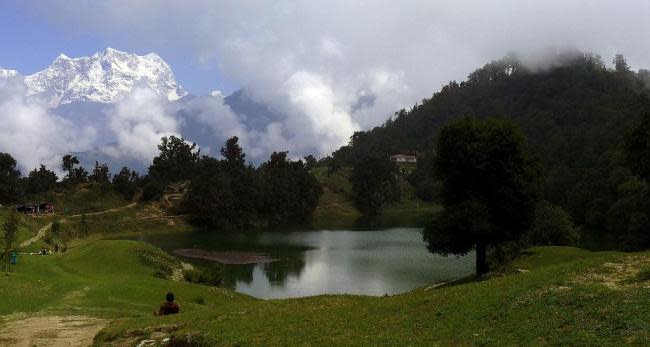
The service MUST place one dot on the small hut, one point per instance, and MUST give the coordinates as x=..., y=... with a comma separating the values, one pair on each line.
x=36, y=208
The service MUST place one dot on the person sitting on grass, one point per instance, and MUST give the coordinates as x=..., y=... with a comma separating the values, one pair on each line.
x=168, y=307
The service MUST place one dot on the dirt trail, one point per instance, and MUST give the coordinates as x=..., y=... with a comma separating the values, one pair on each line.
x=39, y=235
x=106, y=211
x=42, y=231
x=51, y=331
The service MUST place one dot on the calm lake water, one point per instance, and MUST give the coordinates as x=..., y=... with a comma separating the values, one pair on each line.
x=326, y=261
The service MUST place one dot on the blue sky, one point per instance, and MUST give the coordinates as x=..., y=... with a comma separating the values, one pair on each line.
x=29, y=43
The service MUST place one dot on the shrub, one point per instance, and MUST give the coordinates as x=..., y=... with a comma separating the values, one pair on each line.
x=551, y=226
x=211, y=275
x=152, y=190
x=162, y=263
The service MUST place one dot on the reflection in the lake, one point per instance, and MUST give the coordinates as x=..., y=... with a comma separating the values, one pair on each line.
x=326, y=262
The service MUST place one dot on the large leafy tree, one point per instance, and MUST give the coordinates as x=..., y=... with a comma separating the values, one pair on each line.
x=310, y=162
x=68, y=163
x=290, y=192
x=9, y=178
x=223, y=193
x=176, y=161
x=125, y=182
x=75, y=174
x=100, y=173
x=233, y=153
x=374, y=183
x=489, y=185
x=41, y=180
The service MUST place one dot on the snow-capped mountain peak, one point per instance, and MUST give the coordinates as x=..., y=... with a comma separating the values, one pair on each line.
x=102, y=77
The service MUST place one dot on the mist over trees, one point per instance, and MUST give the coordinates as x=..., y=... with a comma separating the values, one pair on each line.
x=586, y=122
x=575, y=113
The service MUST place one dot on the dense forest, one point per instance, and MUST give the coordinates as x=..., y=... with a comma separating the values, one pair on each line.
x=225, y=194
x=576, y=115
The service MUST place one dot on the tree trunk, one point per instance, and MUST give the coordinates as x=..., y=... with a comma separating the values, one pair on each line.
x=481, y=259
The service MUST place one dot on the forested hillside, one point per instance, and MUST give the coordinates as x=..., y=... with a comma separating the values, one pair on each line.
x=575, y=113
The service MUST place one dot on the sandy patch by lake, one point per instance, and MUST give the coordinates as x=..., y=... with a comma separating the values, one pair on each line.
x=225, y=257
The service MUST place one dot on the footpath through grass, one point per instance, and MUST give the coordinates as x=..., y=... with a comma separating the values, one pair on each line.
x=551, y=295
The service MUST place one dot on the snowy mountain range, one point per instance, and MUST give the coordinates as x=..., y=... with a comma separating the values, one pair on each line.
x=86, y=91
x=101, y=78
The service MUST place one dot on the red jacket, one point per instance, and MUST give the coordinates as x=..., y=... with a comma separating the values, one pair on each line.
x=168, y=308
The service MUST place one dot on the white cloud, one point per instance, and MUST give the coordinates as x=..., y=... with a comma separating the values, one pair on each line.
x=32, y=134
x=139, y=119
x=319, y=113
x=312, y=61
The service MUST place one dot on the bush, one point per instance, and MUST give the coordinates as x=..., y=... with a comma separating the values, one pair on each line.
x=211, y=275
x=162, y=263
x=551, y=226
x=152, y=190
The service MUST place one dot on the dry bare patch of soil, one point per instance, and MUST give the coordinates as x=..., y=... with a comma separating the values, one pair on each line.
x=619, y=275
x=51, y=331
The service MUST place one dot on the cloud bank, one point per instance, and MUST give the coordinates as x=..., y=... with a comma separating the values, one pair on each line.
x=139, y=119
x=31, y=133
x=331, y=68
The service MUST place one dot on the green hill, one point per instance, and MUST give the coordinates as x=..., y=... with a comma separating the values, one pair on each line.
x=575, y=113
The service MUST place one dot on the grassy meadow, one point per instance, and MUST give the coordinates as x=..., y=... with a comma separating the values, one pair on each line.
x=551, y=295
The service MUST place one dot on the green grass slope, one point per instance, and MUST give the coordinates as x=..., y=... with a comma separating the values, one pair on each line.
x=551, y=295
x=27, y=226
x=102, y=278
